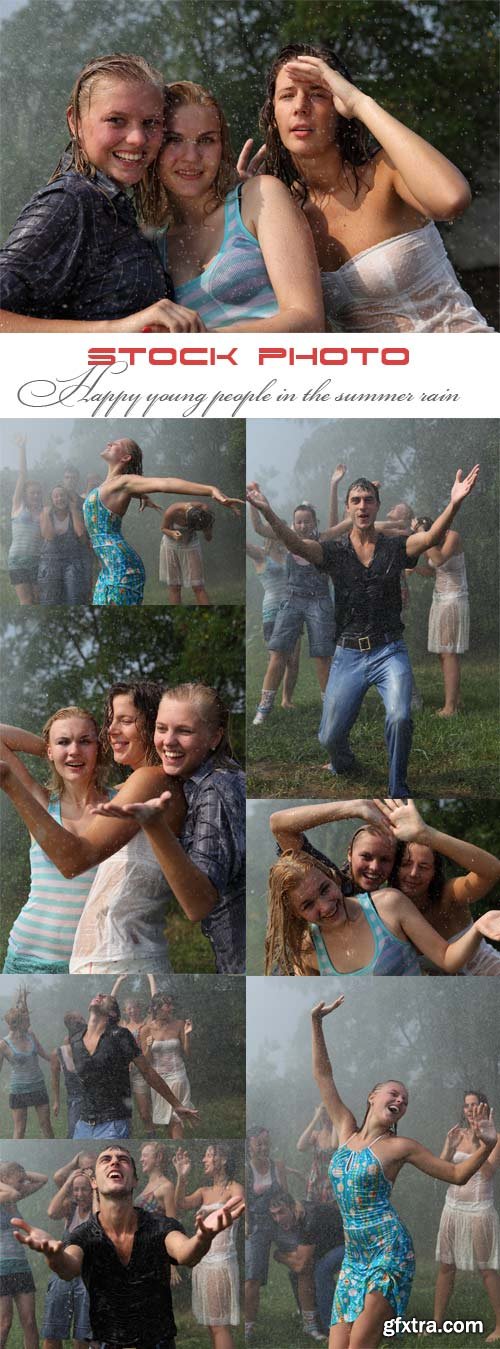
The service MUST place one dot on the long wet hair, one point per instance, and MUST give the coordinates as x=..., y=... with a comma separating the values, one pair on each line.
x=352, y=138
x=436, y=885
x=145, y=694
x=287, y=934
x=153, y=199
x=117, y=66
x=225, y=1158
x=481, y=1100
x=135, y=452
x=17, y=1014
x=198, y=517
x=54, y=781
x=211, y=709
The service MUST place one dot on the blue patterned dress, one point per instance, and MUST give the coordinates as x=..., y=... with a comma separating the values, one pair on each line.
x=379, y=1256
x=122, y=576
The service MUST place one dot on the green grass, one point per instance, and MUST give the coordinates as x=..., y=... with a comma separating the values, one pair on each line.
x=220, y=1116
x=450, y=757
x=279, y=1327
x=227, y=591
x=190, y=952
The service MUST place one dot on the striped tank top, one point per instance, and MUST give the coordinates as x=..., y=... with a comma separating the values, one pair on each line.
x=390, y=955
x=275, y=583
x=235, y=284
x=27, y=540
x=13, y=1259
x=46, y=925
x=26, y=1073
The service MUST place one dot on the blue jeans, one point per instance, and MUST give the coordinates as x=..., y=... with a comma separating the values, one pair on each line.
x=110, y=1128
x=352, y=673
x=316, y=612
x=324, y=1270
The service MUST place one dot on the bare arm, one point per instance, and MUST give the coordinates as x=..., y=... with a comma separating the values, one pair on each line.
x=483, y=869
x=163, y=316
x=257, y=554
x=309, y=548
x=55, y=1080
x=42, y=1053
x=270, y=213
x=65, y=1261
x=21, y=772
x=453, y=1173
x=18, y=497
x=449, y=548
x=462, y=487
x=265, y=531
x=339, y=1113
x=306, y=1139
x=448, y=956
x=64, y=1171
x=46, y=526
x=333, y=514
x=135, y=486
x=289, y=826
x=77, y=518
x=190, y=1250
x=56, y=1206
x=156, y=1082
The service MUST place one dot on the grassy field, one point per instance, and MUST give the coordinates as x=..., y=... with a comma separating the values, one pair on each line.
x=279, y=1327
x=450, y=757
x=190, y=952
x=226, y=591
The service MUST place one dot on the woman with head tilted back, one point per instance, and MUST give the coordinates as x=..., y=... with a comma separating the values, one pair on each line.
x=371, y=189
x=166, y=1041
x=76, y=260
x=122, y=576
x=375, y=1281
x=224, y=242
x=325, y=921
x=469, y=1230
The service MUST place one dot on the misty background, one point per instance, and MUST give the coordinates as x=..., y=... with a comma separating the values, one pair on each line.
x=476, y=821
x=206, y=452
x=54, y=658
x=433, y=64
x=214, y=1003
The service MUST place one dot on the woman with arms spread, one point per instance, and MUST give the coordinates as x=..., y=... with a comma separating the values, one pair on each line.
x=225, y=242
x=75, y=260
x=121, y=580
x=371, y=189
x=375, y=1281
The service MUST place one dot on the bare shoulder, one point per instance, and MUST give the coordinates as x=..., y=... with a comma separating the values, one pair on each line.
x=264, y=187
x=389, y=899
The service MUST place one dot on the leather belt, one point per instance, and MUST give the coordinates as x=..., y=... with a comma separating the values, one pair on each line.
x=365, y=643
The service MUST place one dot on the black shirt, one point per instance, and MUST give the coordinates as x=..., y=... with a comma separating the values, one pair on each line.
x=76, y=252
x=129, y=1304
x=320, y=1226
x=367, y=599
x=104, y=1075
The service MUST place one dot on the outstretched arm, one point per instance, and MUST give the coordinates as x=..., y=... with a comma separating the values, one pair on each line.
x=483, y=869
x=289, y=826
x=309, y=548
x=156, y=1082
x=306, y=1138
x=265, y=531
x=448, y=956
x=462, y=487
x=456, y=1173
x=190, y=1250
x=339, y=1113
x=135, y=486
x=333, y=514
x=192, y=888
x=65, y=1261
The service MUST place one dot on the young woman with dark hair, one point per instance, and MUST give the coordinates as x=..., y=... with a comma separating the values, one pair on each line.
x=469, y=1230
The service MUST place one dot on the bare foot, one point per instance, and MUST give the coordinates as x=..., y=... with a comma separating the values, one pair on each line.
x=443, y=712
x=494, y=1338
x=288, y=707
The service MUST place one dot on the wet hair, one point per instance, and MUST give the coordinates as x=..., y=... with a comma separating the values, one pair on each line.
x=354, y=142
x=145, y=694
x=160, y=1151
x=17, y=1014
x=213, y=711
x=135, y=453
x=73, y=1022
x=346, y=868
x=117, y=66
x=225, y=1157
x=286, y=933
x=158, y=1001
x=481, y=1100
x=367, y=486
x=282, y=1197
x=116, y=1145
x=59, y=487
x=114, y=1014
x=436, y=885
x=8, y=1169
x=30, y=482
x=423, y=522
x=54, y=781
x=197, y=517
x=306, y=506
x=153, y=199
x=394, y=1127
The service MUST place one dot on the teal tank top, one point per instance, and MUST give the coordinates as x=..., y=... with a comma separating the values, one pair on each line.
x=235, y=285
x=390, y=956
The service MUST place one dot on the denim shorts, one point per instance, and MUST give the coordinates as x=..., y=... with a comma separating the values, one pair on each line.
x=109, y=1128
x=316, y=614
x=66, y=1311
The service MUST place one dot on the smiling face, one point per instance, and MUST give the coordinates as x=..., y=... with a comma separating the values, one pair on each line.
x=259, y=1146
x=416, y=871
x=371, y=858
x=73, y=748
x=115, y=1173
x=34, y=496
x=120, y=128
x=182, y=740
x=82, y=1192
x=471, y=1099
x=388, y=1103
x=209, y=1161
x=305, y=117
x=125, y=732
x=59, y=498
x=116, y=452
x=318, y=899
x=363, y=507
x=148, y=1158
x=192, y=152
x=304, y=523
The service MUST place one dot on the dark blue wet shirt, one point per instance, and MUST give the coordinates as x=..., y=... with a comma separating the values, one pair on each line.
x=76, y=252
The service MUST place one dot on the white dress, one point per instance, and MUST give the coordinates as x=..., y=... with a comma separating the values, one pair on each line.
x=181, y=560
x=122, y=927
x=216, y=1284
x=469, y=1230
x=167, y=1061
x=404, y=284
x=449, y=613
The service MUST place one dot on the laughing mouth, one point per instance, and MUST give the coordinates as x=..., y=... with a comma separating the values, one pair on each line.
x=128, y=158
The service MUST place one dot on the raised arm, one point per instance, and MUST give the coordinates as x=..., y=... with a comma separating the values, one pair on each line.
x=423, y=539
x=306, y=1139
x=339, y=1113
x=257, y=554
x=190, y=1250
x=421, y=175
x=456, y=1173
x=451, y=545
x=333, y=513
x=182, y=1164
x=18, y=497
x=448, y=956
x=265, y=531
x=483, y=869
x=14, y=741
x=309, y=548
x=270, y=213
x=289, y=826
x=57, y=1203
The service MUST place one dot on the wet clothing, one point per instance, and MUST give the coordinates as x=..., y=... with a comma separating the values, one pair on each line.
x=235, y=285
x=379, y=1256
x=307, y=604
x=61, y=576
x=367, y=599
x=215, y=1280
x=469, y=1231
x=391, y=955
x=122, y=576
x=104, y=1075
x=403, y=284
x=73, y=1090
x=132, y=1304
x=15, y=1273
x=260, y=1190
x=449, y=612
x=213, y=837
x=66, y=1308
x=76, y=252
x=27, y=1083
x=24, y=552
